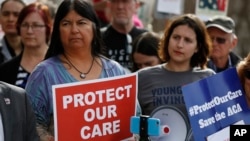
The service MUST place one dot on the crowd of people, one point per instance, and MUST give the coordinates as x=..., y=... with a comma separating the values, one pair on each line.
x=40, y=49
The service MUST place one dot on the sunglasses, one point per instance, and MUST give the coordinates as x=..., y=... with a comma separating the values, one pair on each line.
x=219, y=40
x=247, y=74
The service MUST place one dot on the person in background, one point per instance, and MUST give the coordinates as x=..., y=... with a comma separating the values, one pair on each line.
x=224, y=40
x=52, y=7
x=185, y=47
x=34, y=28
x=243, y=69
x=104, y=15
x=119, y=35
x=137, y=21
x=100, y=7
x=75, y=54
x=10, y=44
x=17, y=118
x=145, y=51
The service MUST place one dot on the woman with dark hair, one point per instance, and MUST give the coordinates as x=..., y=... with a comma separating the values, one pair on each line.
x=34, y=28
x=145, y=51
x=74, y=54
x=185, y=47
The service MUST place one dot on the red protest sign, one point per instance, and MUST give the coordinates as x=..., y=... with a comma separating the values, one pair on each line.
x=95, y=110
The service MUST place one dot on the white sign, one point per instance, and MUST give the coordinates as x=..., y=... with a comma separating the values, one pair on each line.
x=170, y=6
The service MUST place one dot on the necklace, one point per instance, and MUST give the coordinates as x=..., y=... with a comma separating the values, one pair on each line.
x=82, y=74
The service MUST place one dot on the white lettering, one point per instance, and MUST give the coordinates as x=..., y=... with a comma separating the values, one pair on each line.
x=100, y=96
x=66, y=101
x=102, y=129
x=100, y=113
x=204, y=123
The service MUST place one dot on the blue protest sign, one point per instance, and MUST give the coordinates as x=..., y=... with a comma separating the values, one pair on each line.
x=215, y=103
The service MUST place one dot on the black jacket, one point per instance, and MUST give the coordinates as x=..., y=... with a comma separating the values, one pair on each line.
x=9, y=70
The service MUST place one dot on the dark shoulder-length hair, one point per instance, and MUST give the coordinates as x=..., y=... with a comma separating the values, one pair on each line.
x=204, y=45
x=84, y=9
x=147, y=44
x=44, y=13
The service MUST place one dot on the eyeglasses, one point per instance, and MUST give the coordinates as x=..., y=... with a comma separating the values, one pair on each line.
x=219, y=40
x=247, y=74
x=34, y=27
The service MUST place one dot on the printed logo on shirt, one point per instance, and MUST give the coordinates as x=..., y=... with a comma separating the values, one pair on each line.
x=167, y=95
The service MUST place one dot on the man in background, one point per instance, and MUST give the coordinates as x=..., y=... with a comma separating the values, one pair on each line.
x=224, y=40
x=10, y=44
x=119, y=35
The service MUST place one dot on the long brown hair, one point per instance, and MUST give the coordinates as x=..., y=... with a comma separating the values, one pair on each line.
x=204, y=45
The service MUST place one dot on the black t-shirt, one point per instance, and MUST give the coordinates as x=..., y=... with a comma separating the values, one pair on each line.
x=119, y=45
